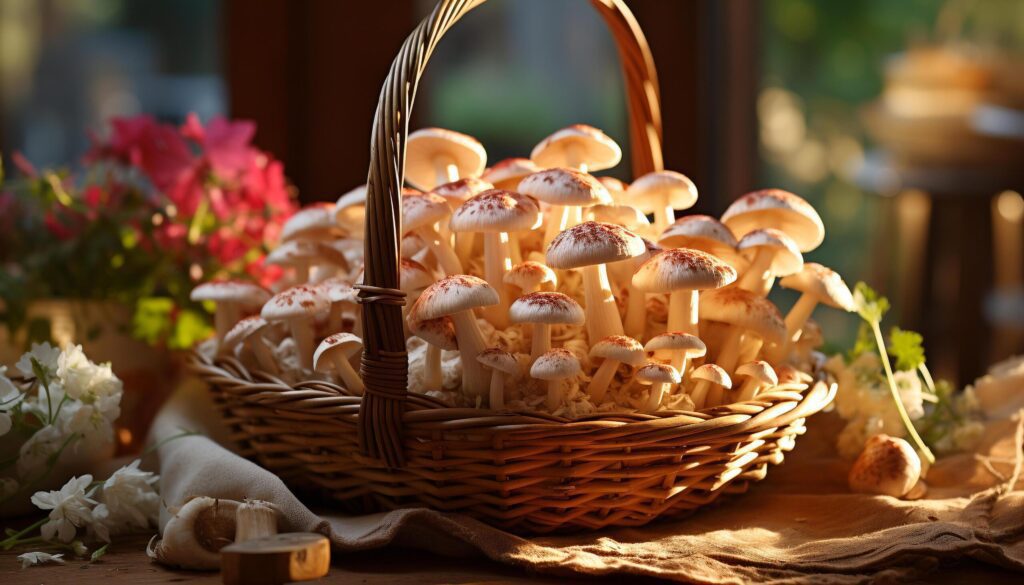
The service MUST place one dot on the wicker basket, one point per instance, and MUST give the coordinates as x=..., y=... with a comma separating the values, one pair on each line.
x=524, y=472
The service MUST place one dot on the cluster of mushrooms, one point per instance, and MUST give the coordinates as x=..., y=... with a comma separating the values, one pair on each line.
x=533, y=285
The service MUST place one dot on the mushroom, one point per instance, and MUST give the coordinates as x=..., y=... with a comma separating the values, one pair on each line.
x=888, y=466
x=350, y=211
x=778, y=209
x=615, y=350
x=792, y=377
x=704, y=233
x=627, y=216
x=414, y=247
x=301, y=255
x=456, y=296
x=531, y=276
x=435, y=156
x=495, y=213
x=554, y=366
x=747, y=314
x=313, y=222
x=420, y=211
x=616, y=188
x=579, y=147
x=759, y=376
x=298, y=307
x=413, y=277
x=501, y=363
x=231, y=298
x=249, y=332
x=195, y=533
x=339, y=293
x=682, y=272
x=678, y=347
x=636, y=303
x=542, y=310
x=662, y=192
x=255, y=519
x=440, y=335
x=709, y=377
x=506, y=174
x=456, y=193
x=335, y=352
x=591, y=245
x=567, y=192
x=817, y=284
x=771, y=253
x=660, y=377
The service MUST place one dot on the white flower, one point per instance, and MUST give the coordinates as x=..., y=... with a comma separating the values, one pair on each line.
x=9, y=393
x=44, y=353
x=89, y=422
x=37, y=450
x=84, y=380
x=39, y=558
x=128, y=501
x=70, y=508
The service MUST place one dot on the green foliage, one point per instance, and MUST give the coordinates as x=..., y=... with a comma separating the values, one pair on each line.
x=906, y=348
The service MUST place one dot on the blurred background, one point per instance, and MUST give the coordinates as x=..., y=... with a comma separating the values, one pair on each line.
x=901, y=122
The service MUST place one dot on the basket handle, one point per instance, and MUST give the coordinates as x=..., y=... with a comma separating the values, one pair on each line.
x=385, y=364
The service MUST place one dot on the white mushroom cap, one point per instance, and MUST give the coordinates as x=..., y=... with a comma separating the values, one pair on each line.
x=350, y=209
x=551, y=308
x=413, y=276
x=787, y=374
x=242, y=330
x=496, y=211
x=412, y=243
x=787, y=258
x=245, y=294
x=453, y=294
x=565, y=187
x=775, y=208
x=298, y=301
x=344, y=343
x=620, y=348
x=529, y=274
x=427, y=145
x=691, y=345
x=682, y=269
x=823, y=283
x=759, y=370
x=888, y=466
x=506, y=174
x=599, y=152
x=653, y=189
x=438, y=332
x=498, y=359
x=457, y=192
x=704, y=233
x=294, y=252
x=657, y=373
x=420, y=209
x=624, y=215
x=745, y=310
x=593, y=242
x=712, y=373
x=555, y=364
x=337, y=290
x=616, y=188
x=316, y=221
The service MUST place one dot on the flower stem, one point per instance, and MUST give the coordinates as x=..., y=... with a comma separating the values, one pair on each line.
x=928, y=380
x=152, y=448
x=921, y=447
x=12, y=540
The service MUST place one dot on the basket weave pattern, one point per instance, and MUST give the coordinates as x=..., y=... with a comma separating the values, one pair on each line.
x=524, y=472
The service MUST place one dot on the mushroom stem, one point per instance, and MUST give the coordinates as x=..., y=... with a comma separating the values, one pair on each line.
x=471, y=343
x=541, y=341
x=576, y=157
x=264, y=357
x=432, y=379
x=445, y=170
x=748, y=390
x=683, y=311
x=334, y=318
x=224, y=318
x=555, y=227
x=636, y=313
x=464, y=245
x=664, y=216
x=602, y=313
x=348, y=375
x=497, y=397
x=727, y=359
x=302, y=268
x=496, y=264
x=799, y=314
x=602, y=378
x=514, y=250
x=554, y=394
x=441, y=249
x=302, y=333
x=758, y=273
x=699, y=393
x=654, y=398
x=749, y=348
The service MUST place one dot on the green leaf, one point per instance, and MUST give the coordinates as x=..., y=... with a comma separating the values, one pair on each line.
x=870, y=305
x=190, y=328
x=906, y=347
x=98, y=553
x=865, y=343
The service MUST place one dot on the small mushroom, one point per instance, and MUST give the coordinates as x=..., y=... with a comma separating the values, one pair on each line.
x=335, y=352
x=231, y=299
x=435, y=156
x=314, y=222
x=255, y=519
x=301, y=255
x=440, y=335
x=678, y=347
x=660, y=377
x=778, y=209
x=420, y=213
x=506, y=174
x=578, y=146
x=888, y=466
x=298, y=307
x=772, y=254
x=682, y=273
x=749, y=316
x=616, y=188
x=627, y=216
x=567, y=192
x=249, y=332
x=339, y=294
x=501, y=363
x=195, y=533
x=707, y=234
x=554, y=366
x=711, y=383
x=792, y=378
x=759, y=376
x=456, y=193
x=542, y=310
x=636, y=304
x=817, y=284
x=614, y=350
x=531, y=276
x=413, y=277
x=350, y=211
x=662, y=192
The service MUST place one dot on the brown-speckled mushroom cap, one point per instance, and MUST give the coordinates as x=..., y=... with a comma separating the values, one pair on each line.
x=350, y=209
x=683, y=269
x=775, y=208
x=745, y=310
x=551, y=308
x=344, y=343
x=657, y=373
x=712, y=373
x=620, y=348
x=313, y=221
x=624, y=215
x=691, y=345
x=616, y=188
x=507, y=173
x=599, y=152
x=337, y=290
x=823, y=283
x=593, y=242
x=242, y=330
x=565, y=187
x=457, y=192
x=413, y=275
x=786, y=258
x=529, y=274
x=246, y=294
x=499, y=359
x=555, y=364
x=298, y=301
x=428, y=145
x=888, y=465
x=759, y=370
x=653, y=189
x=438, y=332
x=420, y=209
x=453, y=294
x=495, y=210
x=294, y=252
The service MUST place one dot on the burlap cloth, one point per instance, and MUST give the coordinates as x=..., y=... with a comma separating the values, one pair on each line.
x=799, y=525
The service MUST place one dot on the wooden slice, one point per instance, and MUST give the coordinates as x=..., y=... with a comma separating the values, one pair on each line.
x=282, y=558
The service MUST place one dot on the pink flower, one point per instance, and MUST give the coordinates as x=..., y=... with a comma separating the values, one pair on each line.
x=226, y=146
